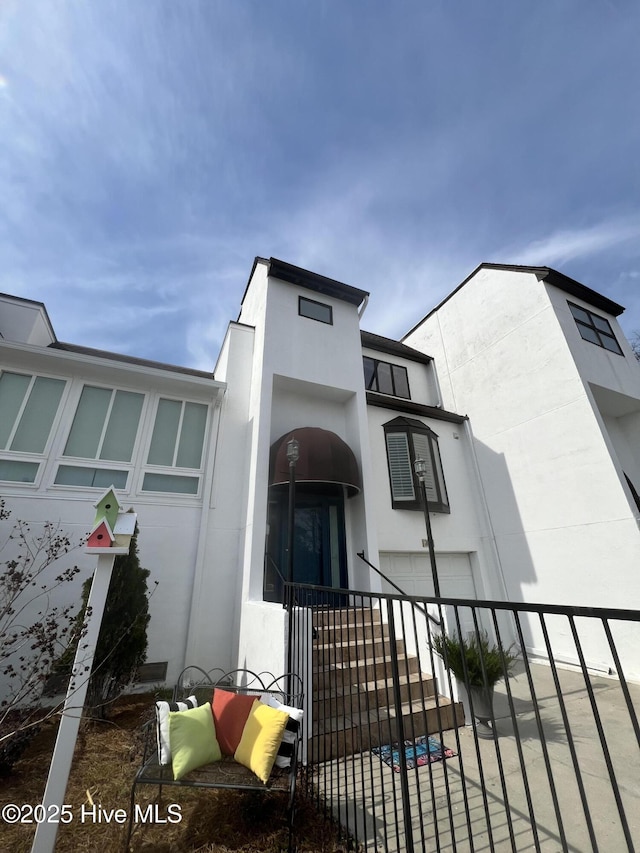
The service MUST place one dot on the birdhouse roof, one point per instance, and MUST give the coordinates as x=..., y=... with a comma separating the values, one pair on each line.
x=125, y=524
x=103, y=523
x=110, y=492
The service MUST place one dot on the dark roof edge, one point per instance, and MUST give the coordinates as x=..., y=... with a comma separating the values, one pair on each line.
x=547, y=274
x=391, y=347
x=411, y=408
x=581, y=291
x=318, y=283
x=129, y=359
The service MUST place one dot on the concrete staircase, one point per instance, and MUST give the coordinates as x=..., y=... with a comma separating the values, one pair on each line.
x=353, y=700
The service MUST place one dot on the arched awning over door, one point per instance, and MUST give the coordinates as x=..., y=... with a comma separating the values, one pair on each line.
x=324, y=458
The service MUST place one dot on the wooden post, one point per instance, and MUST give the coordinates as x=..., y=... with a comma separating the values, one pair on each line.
x=45, y=838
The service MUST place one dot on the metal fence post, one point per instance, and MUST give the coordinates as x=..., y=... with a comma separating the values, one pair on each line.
x=402, y=757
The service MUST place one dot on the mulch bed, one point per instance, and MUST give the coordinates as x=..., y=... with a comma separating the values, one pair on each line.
x=105, y=761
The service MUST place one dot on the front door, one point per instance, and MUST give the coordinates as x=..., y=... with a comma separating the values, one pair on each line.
x=319, y=550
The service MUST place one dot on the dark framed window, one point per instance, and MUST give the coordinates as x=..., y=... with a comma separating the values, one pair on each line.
x=595, y=329
x=386, y=378
x=315, y=310
x=408, y=439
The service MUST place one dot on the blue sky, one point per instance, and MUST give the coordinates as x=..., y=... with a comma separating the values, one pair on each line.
x=149, y=150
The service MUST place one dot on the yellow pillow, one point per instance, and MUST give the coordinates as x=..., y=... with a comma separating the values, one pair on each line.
x=193, y=740
x=260, y=739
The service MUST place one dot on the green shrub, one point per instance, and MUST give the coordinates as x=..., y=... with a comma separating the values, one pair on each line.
x=485, y=662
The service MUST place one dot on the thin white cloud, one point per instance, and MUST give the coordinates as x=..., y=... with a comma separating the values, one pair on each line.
x=566, y=245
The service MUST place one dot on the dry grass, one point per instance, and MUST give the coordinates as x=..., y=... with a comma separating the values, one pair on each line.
x=105, y=762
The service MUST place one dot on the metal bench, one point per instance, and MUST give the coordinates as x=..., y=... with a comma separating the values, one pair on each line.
x=227, y=773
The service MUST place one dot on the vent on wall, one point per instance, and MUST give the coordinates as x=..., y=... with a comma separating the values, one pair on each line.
x=152, y=672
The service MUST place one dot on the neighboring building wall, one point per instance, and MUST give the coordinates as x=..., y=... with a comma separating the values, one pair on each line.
x=562, y=520
x=169, y=522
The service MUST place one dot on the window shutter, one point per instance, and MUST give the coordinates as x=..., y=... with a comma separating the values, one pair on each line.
x=400, y=467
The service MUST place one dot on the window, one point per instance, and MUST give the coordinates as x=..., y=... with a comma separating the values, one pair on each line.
x=94, y=478
x=28, y=406
x=315, y=310
x=177, y=442
x=105, y=427
x=178, y=434
x=386, y=378
x=408, y=439
x=597, y=330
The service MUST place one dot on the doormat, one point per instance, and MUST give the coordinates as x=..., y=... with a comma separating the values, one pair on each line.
x=422, y=750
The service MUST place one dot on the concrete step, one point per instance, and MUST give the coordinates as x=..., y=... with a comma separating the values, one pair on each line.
x=337, y=676
x=351, y=649
x=334, y=737
x=339, y=633
x=372, y=694
x=347, y=617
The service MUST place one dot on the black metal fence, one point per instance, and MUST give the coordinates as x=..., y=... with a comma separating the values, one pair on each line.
x=416, y=741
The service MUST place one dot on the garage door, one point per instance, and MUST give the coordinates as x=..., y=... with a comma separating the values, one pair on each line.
x=411, y=571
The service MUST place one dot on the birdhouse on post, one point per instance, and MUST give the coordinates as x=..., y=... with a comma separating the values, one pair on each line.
x=101, y=536
x=107, y=508
x=110, y=536
x=112, y=527
x=124, y=529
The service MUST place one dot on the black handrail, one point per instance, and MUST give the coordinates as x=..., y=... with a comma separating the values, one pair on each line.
x=418, y=607
x=285, y=603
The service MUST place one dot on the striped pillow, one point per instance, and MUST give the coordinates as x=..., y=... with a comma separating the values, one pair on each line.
x=285, y=752
x=162, y=716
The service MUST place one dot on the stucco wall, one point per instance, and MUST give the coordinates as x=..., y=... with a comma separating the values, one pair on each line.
x=562, y=520
x=304, y=373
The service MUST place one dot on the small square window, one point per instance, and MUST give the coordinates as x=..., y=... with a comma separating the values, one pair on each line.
x=315, y=310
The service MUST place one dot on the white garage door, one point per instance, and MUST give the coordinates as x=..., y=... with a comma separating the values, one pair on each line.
x=412, y=572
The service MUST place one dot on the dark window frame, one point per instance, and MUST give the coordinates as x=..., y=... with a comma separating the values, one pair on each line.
x=373, y=384
x=305, y=300
x=594, y=326
x=409, y=427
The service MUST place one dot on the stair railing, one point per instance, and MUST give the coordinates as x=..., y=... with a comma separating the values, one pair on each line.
x=436, y=621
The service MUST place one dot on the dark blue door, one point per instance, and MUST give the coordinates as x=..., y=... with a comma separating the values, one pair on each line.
x=319, y=549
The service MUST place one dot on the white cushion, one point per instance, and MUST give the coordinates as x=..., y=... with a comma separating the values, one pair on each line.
x=162, y=717
x=283, y=759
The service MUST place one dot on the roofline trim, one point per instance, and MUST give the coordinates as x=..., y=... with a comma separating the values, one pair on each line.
x=105, y=355
x=411, y=408
x=316, y=282
x=546, y=274
x=369, y=340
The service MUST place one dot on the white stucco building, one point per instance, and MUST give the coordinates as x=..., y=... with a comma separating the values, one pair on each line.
x=519, y=389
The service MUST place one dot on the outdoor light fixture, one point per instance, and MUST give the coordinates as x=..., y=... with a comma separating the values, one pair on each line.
x=420, y=467
x=293, y=451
